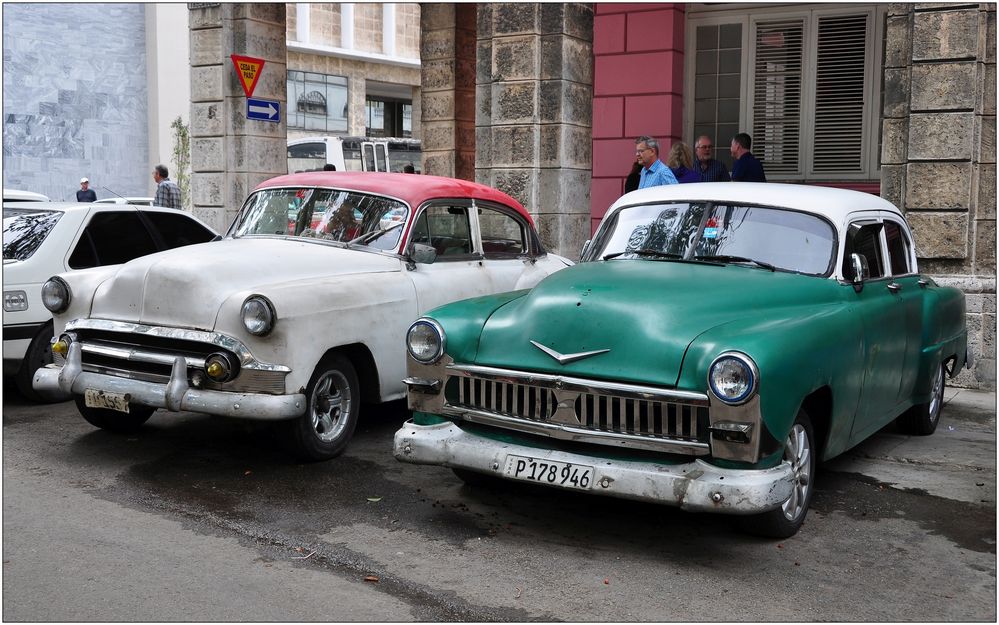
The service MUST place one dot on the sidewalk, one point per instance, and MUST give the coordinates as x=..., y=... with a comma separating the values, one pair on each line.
x=958, y=461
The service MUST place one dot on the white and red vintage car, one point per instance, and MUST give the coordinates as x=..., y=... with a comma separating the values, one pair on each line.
x=298, y=315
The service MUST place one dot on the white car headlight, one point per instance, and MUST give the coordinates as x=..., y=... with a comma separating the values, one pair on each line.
x=733, y=377
x=56, y=295
x=258, y=315
x=426, y=341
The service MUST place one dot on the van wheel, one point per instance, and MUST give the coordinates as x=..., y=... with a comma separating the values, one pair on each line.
x=38, y=355
x=112, y=420
x=334, y=401
x=786, y=520
x=922, y=419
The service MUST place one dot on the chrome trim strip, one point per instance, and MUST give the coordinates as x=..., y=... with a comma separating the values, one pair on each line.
x=632, y=391
x=617, y=439
x=138, y=355
x=211, y=338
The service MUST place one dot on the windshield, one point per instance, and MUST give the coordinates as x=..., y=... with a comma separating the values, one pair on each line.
x=323, y=214
x=785, y=239
x=24, y=230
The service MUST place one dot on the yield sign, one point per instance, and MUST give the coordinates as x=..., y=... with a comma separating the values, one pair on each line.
x=248, y=69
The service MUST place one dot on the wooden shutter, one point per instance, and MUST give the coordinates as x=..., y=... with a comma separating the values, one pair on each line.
x=777, y=90
x=839, y=94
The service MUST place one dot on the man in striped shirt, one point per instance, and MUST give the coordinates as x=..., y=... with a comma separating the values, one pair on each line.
x=167, y=191
x=654, y=171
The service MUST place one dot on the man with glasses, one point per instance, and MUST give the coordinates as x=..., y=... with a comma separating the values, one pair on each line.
x=711, y=169
x=654, y=171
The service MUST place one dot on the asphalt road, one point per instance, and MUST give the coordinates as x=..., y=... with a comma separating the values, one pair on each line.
x=205, y=519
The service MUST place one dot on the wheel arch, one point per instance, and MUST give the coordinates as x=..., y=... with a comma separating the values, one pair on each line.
x=364, y=366
x=819, y=406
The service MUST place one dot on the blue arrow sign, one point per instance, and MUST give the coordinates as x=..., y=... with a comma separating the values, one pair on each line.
x=263, y=110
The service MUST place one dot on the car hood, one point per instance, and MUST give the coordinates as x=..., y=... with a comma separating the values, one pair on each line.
x=646, y=313
x=185, y=287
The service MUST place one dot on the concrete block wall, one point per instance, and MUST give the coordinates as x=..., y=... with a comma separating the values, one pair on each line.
x=627, y=101
x=938, y=153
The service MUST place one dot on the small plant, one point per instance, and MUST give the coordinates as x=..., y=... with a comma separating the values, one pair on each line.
x=181, y=162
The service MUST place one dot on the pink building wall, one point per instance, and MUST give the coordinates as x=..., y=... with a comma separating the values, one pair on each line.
x=637, y=90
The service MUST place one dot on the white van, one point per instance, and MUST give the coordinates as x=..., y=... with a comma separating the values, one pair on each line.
x=353, y=154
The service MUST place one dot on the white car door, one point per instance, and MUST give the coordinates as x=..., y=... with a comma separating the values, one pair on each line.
x=509, y=251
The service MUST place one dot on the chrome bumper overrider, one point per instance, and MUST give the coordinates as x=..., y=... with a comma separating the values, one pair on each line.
x=695, y=485
x=175, y=396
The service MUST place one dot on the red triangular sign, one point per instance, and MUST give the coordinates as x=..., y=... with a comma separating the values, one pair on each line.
x=248, y=69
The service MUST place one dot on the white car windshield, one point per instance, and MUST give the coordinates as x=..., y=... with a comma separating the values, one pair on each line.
x=24, y=230
x=324, y=215
x=766, y=236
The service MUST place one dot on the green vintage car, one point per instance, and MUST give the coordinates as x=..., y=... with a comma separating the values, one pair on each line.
x=717, y=340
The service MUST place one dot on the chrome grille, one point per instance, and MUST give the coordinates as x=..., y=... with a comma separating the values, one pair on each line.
x=592, y=410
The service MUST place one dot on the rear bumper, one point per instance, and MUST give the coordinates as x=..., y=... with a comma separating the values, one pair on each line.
x=693, y=486
x=71, y=379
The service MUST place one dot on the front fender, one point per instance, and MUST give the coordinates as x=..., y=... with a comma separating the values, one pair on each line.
x=83, y=286
x=463, y=321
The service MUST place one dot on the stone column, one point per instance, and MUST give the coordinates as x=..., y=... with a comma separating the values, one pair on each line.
x=447, y=94
x=533, y=117
x=939, y=153
x=230, y=155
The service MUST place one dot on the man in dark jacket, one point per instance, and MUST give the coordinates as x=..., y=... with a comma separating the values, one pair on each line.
x=85, y=194
x=710, y=169
x=745, y=166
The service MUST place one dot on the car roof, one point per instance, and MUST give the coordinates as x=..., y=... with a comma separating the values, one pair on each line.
x=831, y=202
x=17, y=195
x=414, y=189
x=68, y=207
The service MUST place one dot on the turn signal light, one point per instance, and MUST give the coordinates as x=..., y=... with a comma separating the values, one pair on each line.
x=60, y=347
x=219, y=368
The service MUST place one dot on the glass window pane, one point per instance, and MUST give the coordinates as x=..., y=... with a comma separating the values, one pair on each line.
x=706, y=86
x=730, y=36
x=502, y=234
x=729, y=61
x=707, y=37
x=707, y=62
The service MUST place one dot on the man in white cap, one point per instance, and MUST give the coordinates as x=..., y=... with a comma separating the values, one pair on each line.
x=85, y=194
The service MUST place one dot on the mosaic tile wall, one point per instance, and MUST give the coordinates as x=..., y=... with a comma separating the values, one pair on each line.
x=74, y=99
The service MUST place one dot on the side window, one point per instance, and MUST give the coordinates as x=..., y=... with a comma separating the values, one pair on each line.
x=865, y=239
x=446, y=229
x=503, y=236
x=177, y=230
x=898, y=248
x=111, y=238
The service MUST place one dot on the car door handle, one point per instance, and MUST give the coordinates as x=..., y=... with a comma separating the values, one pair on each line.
x=894, y=287
x=923, y=283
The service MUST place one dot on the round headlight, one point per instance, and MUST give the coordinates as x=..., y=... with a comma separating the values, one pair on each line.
x=55, y=295
x=425, y=341
x=733, y=377
x=258, y=315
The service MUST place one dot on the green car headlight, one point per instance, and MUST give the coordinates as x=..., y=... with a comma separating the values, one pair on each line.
x=56, y=295
x=733, y=377
x=258, y=315
x=426, y=341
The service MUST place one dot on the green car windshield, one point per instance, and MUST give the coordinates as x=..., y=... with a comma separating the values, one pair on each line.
x=323, y=214
x=768, y=236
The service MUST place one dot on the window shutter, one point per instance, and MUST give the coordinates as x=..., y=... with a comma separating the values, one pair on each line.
x=777, y=96
x=839, y=94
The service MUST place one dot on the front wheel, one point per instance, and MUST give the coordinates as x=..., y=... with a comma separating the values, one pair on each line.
x=328, y=424
x=799, y=450
x=922, y=419
x=38, y=355
x=112, y=420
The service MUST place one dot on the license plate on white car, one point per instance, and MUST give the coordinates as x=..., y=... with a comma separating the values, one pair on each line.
x=104, y=399
x=564, y=474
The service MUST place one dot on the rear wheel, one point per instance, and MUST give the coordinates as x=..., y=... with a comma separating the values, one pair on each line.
x=799, y=450
x=328, y=424
x=112, y=420
x=922, y=419
x=38, y=355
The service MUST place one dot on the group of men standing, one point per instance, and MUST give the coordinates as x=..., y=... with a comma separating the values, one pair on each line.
x=706, y=168
x=167, y=191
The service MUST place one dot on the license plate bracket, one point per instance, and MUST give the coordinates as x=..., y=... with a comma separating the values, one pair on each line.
x=552, y=472
x=96, y=398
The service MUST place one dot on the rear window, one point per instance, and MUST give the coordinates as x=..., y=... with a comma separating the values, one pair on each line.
x=25, y=229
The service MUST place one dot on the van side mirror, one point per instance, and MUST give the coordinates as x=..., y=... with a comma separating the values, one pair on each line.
x=860, y=270
x=423, y=254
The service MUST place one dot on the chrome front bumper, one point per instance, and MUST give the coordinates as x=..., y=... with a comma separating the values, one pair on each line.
x=693, y=486
x=55, y=381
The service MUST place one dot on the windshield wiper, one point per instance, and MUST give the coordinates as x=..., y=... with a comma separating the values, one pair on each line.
x=645, y=252
x=374, y=234
x=736, y=259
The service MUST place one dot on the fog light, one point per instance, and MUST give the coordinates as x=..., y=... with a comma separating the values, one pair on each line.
x=220, y=368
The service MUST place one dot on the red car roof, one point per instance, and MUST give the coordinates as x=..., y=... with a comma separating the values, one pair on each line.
x=414, y=189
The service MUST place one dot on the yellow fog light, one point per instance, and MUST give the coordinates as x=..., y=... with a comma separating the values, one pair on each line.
x=60, y=347
x=219, y=368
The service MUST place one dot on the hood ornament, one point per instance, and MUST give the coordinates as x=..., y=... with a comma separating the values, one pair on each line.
x=564, y=359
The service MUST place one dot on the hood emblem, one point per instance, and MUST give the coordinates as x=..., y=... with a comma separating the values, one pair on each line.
x=564, y=359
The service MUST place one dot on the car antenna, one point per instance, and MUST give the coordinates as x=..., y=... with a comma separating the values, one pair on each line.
x=113, y=193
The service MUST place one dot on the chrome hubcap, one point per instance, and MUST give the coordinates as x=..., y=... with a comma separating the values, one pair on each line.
x=936, y=400
x=798, y=452
x=330, y=406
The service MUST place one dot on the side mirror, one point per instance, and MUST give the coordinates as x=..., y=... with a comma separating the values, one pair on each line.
x=423, y=254
x=586, y=246
x=860, y=271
